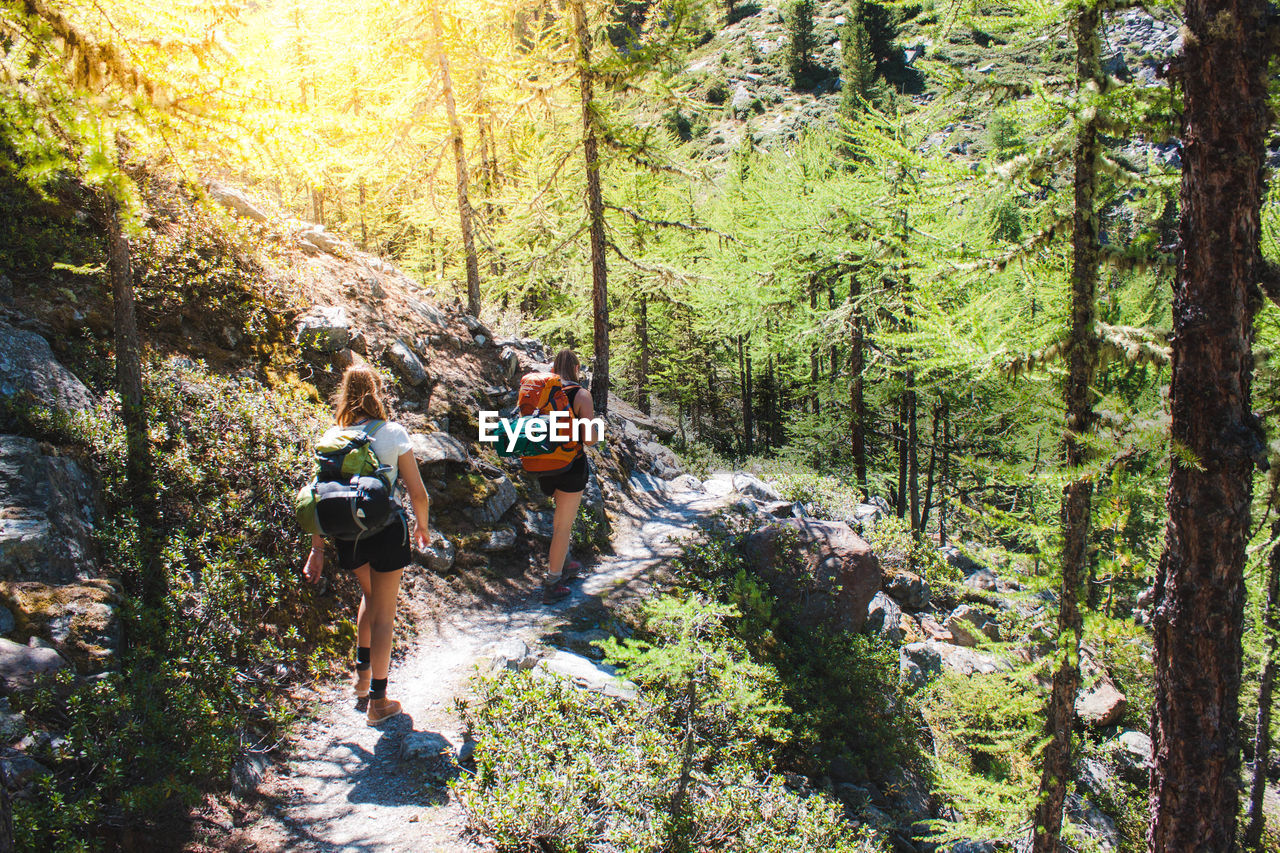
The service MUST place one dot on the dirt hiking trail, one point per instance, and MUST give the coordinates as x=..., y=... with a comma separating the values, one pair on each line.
x=348, y=786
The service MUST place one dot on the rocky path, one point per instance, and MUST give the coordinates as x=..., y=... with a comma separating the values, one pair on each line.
x=351, y=787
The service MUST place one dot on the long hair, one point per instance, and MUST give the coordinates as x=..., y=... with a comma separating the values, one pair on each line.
x=359, y=396
x=566, y=364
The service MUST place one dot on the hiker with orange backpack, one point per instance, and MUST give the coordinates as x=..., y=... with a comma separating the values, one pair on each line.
x=562, y=470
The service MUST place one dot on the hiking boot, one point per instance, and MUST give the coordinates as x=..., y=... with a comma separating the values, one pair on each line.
x=572, y=572
x=381, y=710
x=363, y=677
x=555, y=592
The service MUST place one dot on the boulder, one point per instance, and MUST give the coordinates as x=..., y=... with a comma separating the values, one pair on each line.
x=966, y=661
x=247, y=772
x=933, y=631
x=868, y=515
x=968, y=624
x=506, y=654
x=756, y=488
x=959, y=560
x=235, y=201
x=46, y=515
x=660, y=460
x=406, y=363
x=80, y=620
x=431, y=448
x=983, y=580
x=428, y=745
x=427, y=312
x=325, y=329
x=316, y=237
x=13, y=724
x=510, y=361
x=20, y=769
x=1134, y=758
x=586, y=674
x=502, y=539
x=30, y=374
x=884, y=617
x=502, y=497
x=718, y=485
x=1101, y=706
x=639, y=481
x=780, y=509
x=822, y=567
x=685, y=483
x=7, y=622
x=908, y=589
x=21, y=666
x=540, y=525
x=917, y=663
x=439, y=555
x=1092, y=822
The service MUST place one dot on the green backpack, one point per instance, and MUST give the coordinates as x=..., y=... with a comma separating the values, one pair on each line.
x=350, y=494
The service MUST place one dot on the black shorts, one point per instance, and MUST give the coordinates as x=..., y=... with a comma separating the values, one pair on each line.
x=572, y=480
x=384, y=551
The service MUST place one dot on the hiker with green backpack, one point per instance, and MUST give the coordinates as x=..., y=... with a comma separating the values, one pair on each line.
x=352, y=500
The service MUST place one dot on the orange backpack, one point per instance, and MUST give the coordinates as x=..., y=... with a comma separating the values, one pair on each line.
x=542, y=394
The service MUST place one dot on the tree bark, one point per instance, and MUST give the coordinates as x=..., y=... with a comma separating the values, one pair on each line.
x=900, y=442
x=642, y=332
x=133, y=410
x=946, y=472
x=813, y=355
x=1082, y=358
x=928, y=477
x=857, y=404
x=748, y=421
x=1198, y=613
x=460, y=167
x=1266, y=682
x=595, y=215
x=913, y=455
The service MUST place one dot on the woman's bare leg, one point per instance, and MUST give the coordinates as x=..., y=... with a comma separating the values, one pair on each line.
x=562, y=530
x=382, y=618
x=364, y=624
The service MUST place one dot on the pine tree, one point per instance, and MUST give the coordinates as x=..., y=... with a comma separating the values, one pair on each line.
x=800, y=42
x=858, y=68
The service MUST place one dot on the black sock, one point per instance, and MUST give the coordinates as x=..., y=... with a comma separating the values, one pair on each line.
x=362, y=658
x=378, y=688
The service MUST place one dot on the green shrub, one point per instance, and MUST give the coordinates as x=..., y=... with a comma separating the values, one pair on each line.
x=202, y=677
x=563, y=770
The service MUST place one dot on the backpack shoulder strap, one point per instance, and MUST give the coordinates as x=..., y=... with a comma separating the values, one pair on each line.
x=370, y=432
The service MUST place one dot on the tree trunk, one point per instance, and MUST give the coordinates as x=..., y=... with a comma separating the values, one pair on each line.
x=928, y=477
x=1082, y=357
x=133, y=410
x=642, y=332
x=364, y=229
x=595, y=213
x=857, y=405
x=1262, y=732
x=1198, y=611
x=946, y=472
x=460, y=167
x=748, y=425
x=900, y=443
x=813, y=355
x=913, y=455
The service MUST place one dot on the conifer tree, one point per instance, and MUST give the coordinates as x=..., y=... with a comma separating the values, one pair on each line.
x=800, y=41
x=858, y=67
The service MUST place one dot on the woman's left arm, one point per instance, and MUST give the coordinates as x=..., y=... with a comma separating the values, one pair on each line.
x=418, y=497
x=585, y=410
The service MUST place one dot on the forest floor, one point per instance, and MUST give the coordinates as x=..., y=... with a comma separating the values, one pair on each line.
x=350, y=787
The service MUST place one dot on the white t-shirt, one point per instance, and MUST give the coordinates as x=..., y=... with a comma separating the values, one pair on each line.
x=388, y=443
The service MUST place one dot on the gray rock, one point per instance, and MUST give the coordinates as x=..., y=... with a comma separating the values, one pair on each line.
x=586, y=674
x=1094, y=823
x=917, y=663
x=317, y=237
x=324, y=329
x=779, y=509
x=510, y=361
x=884, y=617
x=511, y=654
x=20, y=769
x=660, y=460
x=430, y=448
x=959, y=560
x=7, y=623
x=21, y=666
x=407, y=363
x=496, y=505
x=1101, y=706
x=46, y=515
x=867, y=515
x=540, y=525
x=236, y=201
x=1134, y=758
x=13, y=724
x=427, y=312
x=968, y=624
x=30, y=373
x=685, y=483
x=642, y=482
x=754, y=487
x=502, y=539
x=439, y=556
x=247, y=772
x=966, y=661
x=969, y=846
x=428, y=745
x=983, y=580
x=908, y=589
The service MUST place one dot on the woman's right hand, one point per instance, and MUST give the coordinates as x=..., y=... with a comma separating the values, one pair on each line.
x=314, y=565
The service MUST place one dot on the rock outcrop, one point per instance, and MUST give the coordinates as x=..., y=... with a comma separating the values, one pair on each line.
x=46, y=515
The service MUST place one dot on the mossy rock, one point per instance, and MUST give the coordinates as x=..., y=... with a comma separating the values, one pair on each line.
x=80, y=619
